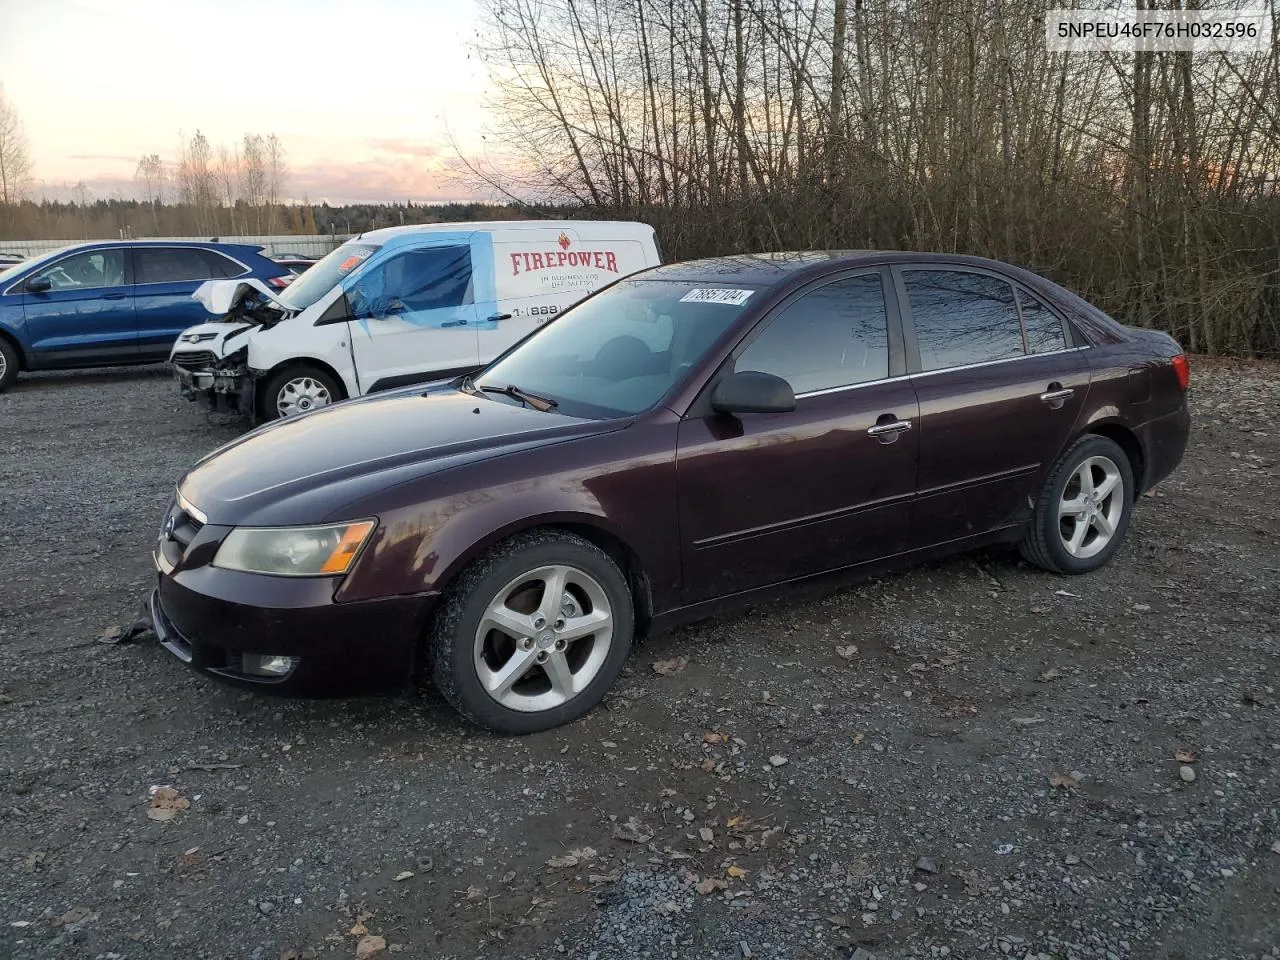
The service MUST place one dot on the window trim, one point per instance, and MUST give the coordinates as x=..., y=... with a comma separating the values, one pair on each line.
x=897, y=356
x=133, y=251
x=19, y=286
x=914, y=364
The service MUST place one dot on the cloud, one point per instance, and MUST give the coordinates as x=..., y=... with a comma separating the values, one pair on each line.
x=415, y=148
x=376, y=180
x=112, y=157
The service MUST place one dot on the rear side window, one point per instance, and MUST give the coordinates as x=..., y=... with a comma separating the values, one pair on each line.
x=1045, y=332
x=430, y=278
x=221, y=266
x=834, y=336
x=173, y=265
x=962, y=318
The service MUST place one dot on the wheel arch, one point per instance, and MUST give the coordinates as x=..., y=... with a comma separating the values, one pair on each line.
x=1124, y=437
x=595, y=530
x=316, y=362
x=9, y=338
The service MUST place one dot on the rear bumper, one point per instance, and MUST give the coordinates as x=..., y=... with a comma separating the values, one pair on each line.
x=340, y=648
x=220, y=391
x=1164, y=442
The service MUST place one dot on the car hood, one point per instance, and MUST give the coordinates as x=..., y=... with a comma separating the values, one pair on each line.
x=304, y=469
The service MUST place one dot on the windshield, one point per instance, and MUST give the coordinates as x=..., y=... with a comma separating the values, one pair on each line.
x=321, y=277
x=620, y=351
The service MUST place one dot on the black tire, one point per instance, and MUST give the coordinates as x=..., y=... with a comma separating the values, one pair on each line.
x=8, y=364
x=451, y=637
x=268, y=392
x=1043, y=543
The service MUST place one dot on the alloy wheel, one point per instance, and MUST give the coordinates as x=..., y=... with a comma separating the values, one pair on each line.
x=543, y=638
x=1092, y=506
x=300, y=395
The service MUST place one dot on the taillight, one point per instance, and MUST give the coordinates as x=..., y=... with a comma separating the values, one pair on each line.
x=1183, y=370
x=280, y=282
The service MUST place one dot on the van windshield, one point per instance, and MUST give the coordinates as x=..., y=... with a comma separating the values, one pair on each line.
x=325, y=274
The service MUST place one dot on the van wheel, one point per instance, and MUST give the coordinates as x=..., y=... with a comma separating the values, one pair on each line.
x=533, y=634
x=1084, y=510
x=296, y=390
x=8, y=364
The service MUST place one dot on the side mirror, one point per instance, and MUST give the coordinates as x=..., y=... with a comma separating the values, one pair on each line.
x=753, y=392
x=39, y=285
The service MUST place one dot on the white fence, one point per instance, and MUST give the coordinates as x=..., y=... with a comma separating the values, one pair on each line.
x=309, y=246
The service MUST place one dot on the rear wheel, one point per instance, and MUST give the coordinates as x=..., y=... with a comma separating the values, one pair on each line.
x=1084, y=510
x=533, y=634
x=297, y=389
x=8, y=363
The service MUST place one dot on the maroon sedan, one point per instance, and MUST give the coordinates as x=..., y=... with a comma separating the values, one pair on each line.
x=689, y=438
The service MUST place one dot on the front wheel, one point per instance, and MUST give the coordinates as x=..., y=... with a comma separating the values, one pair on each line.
x=295, y=390
x=1084, y=510
x=8, y=364
x=533, y=634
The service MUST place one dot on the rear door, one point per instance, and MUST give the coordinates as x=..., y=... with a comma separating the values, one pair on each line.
x=769, y=497
x=414, y=315
x=997, y=400
x=86, y=317
x=164, y=278
x=541, y=273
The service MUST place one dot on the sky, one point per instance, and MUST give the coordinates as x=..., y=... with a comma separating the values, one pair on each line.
x=367, y=98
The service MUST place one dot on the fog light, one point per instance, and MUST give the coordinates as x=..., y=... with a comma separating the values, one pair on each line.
x=263, y=665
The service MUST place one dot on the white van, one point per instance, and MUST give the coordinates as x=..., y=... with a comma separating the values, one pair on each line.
x=397, y=306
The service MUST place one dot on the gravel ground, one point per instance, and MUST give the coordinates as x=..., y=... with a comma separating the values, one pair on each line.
x=967, y=759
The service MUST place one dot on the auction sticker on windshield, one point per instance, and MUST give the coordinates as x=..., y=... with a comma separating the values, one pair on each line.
x=734, y=298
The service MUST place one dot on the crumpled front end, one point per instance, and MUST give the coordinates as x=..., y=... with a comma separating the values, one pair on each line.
x=220, y=384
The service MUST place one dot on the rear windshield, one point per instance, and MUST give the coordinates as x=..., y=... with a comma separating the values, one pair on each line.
x=325, y=274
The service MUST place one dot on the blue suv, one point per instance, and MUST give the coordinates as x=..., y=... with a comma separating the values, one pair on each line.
x=113, y=302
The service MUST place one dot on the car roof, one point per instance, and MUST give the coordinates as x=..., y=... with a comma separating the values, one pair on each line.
x=766, y=269
x=623, y=228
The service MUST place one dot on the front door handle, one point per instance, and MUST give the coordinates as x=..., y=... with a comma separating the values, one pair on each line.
x=888, y=428
x=454, y=323
x=113, y=296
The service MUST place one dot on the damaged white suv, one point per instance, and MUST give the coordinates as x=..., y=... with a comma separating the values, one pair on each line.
x=394, y=307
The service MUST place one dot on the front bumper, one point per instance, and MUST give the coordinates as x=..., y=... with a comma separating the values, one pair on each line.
x=228, y=390
x=212, y=618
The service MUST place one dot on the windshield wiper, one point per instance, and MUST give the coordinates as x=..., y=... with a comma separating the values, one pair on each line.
x=542, y=404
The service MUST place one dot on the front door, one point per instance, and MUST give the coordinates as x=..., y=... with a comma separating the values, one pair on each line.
x=997, y=401
x=414, y=316
x=768, y=497
x=86, y=316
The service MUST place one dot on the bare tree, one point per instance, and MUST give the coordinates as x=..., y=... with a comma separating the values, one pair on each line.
x=253, y=177
x=152, y=177
x=15, y=161
x=276, y=169
x=1144, y=180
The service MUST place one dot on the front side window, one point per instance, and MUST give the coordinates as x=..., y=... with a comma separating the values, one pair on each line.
x=835, y=336
x=962, y=318
x=94, y=268
x=430, y=278
x=171, y=265
x=620, y=351
x=1045, y=332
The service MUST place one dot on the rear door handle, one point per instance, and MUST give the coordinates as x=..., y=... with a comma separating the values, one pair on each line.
x=1056, y=398
x=500, y=316
x=888, y=432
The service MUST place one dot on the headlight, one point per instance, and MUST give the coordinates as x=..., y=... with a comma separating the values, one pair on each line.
x=294, y=551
